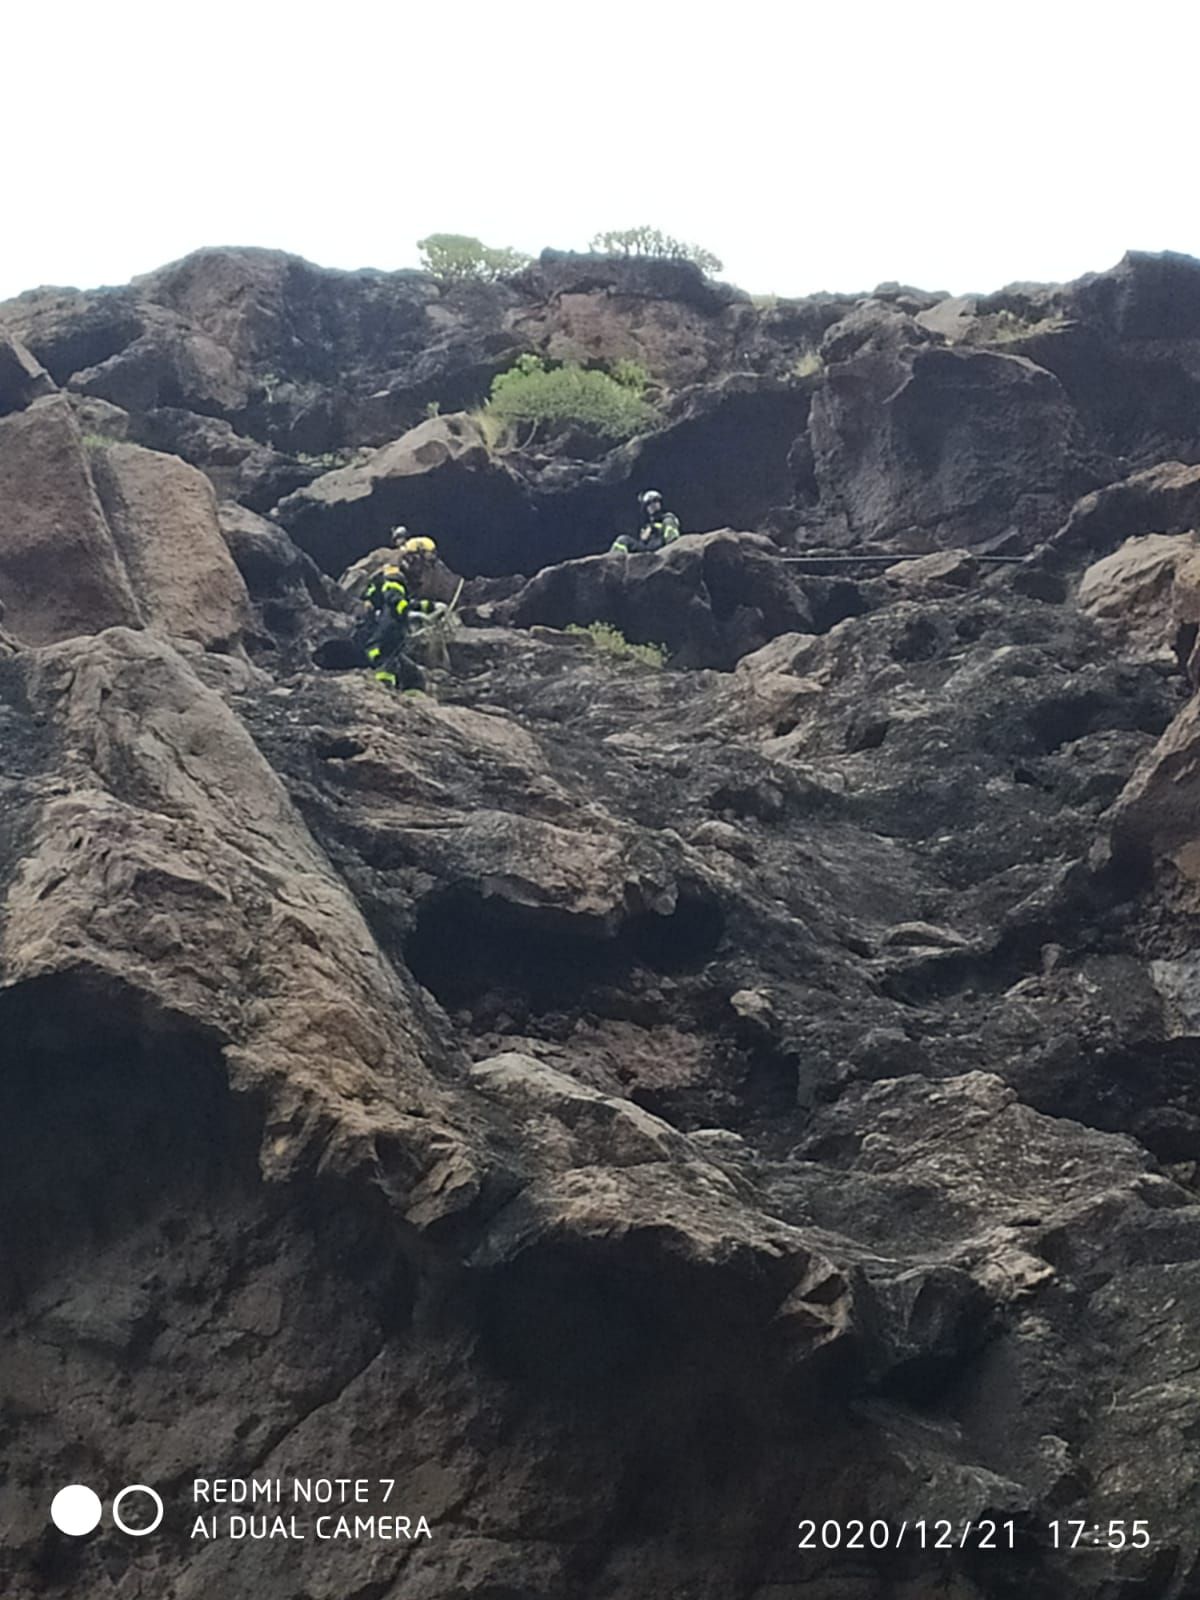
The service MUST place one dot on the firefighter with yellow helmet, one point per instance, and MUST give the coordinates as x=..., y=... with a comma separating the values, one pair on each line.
x=391, y=602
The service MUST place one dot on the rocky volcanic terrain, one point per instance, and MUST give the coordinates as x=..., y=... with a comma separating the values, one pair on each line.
x=639, y=1110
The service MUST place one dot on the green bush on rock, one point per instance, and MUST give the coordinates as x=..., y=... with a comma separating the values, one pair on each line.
x=558, y=399
x=614, y=643
x=460, y=258
x=652, y=242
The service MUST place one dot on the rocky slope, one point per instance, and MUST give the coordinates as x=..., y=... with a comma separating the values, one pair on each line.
x=638, y=1110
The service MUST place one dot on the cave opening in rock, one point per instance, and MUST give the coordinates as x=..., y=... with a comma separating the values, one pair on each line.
x=105, y=1105
x=465, y=946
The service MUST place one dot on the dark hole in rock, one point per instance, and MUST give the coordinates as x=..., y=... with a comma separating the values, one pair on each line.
x=753, y=799
x=1061, y=719
x=104, y=1106
x=338, y=655
x=598, y=1319
x=569, y=1323
x=673, y=943
x=280, y=617
x=466, y=946
x=919, y=641
x=772, y=1082
x=336, y=747
x=258, y=644
x=1185, y=642
x=971, y=626
x=833, y=600
x=147, y=1266
x=867, y=733
x=748, y=1085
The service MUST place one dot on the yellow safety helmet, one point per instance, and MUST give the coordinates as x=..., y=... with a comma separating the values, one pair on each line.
x=418, y=546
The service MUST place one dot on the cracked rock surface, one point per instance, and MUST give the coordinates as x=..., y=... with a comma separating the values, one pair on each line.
x=634, y=1108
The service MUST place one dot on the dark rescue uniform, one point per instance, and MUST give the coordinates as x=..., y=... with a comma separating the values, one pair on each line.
x=663, y=530
x=391, y=608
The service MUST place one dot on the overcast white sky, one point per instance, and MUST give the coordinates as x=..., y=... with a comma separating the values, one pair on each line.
x=954, y=146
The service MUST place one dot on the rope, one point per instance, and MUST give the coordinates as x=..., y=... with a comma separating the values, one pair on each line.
x=904, y=555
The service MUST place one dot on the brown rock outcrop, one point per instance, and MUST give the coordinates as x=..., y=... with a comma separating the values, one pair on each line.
x=133, y=534
x=1134, y=593
x=631, y=1109
x=1155, y=817
x=52, y=523
x=186, y=583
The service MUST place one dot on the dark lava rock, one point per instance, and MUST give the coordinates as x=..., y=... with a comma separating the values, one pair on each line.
x=640, y=1110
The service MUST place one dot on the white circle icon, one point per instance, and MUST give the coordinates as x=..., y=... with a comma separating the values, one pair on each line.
x=137, y=1488
x=76, y=1510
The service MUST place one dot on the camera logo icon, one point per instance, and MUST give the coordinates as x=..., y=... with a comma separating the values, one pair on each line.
x=77, y=1510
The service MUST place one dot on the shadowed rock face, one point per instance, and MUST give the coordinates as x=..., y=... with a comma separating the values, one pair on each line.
x=22, y=377
x=893, y=418
x=636, y=1109
x=913, y=439
x=709, y=599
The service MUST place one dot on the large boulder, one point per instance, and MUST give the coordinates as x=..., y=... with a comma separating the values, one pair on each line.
x=665, y=315
x=1165, y=498
x=169, y=364
x=708, y=598
x=1133, y=592
x=1125, y=344
x=163, y=517
x=270, y=564
x=297, y=609
x=1146, y=296
x=237, y=466
x=22, y=376
x=917, y=442
x=60, y=572
x=276, y=311
x=1153, y=825
x=69, y=329
x=134, y=535
x=440, y=477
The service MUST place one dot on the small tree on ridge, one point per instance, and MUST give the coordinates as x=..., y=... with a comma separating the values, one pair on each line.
x=461, y=258
x=653, y=243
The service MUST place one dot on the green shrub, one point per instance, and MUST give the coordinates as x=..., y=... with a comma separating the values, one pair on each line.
x=808, y=365
x=654, y=243
x=557, y=399
x=611, y=640
x=630, y=375
x=459, y=258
